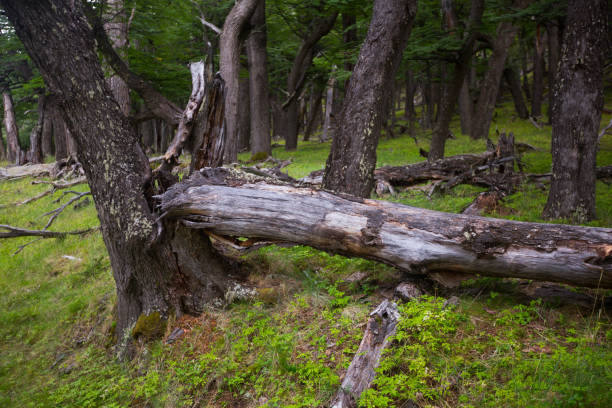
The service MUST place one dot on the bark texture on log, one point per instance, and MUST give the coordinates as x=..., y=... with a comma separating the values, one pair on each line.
x=577, y=111
x=351, y=162
x=412, y=239
x=360, y=374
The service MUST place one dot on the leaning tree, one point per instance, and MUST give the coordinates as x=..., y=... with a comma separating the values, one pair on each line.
x=157, y=267
x=351, y=162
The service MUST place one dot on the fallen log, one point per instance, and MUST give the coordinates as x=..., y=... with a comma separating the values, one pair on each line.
x=381, y=325
x=414, y=240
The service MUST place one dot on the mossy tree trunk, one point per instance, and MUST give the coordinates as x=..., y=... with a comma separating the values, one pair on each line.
x=157, y=268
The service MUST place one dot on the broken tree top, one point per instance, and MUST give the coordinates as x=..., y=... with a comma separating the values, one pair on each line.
x=415, y=240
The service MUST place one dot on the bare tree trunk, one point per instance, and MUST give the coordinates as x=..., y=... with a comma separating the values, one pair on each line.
x=159, y=269
x=553, y=63
x=47, y=130
x=117, y=31
x=2, y=148
x=258, y=82
x=209, y=130
x=514, y=83
x=157, y=104
x=351, y=162
x=35, y=154
x=244, y=116
x=59, y=132
x=409, y=111
x=329, y=124
x=229, y=65
x=538, y=75
x=446, y=107
x=296, y=78
x=314, y=111
x=578, y=101
x=466, y=107
x=12, y=131
x=428, y=106
x=490, y=86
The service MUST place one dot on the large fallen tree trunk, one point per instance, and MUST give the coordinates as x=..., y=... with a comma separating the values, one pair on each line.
x=413, y=239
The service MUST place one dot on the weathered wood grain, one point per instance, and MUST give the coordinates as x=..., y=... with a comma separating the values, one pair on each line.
x=412, y=239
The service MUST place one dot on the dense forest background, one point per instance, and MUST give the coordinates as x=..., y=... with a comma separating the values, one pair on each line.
x=496, y=108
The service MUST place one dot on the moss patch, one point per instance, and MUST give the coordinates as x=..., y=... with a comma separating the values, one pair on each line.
x=149, y=327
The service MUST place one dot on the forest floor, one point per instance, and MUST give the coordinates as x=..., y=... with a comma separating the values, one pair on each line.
x=507, y=343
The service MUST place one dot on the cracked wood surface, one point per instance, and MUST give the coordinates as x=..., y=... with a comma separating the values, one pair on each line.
x=412, y=239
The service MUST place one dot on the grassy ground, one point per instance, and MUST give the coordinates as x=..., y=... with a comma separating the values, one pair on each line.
x=290, y=347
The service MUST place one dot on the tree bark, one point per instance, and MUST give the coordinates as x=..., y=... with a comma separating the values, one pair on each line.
x=329, y=122
x=296, y=78
x=578, y=101
x=314, y=111
x=154, y=101
x=117, y=31
x=490, y=85
x=409, y=111
x=553, y=63
x=59, y=132
x=538, y=75
x=360, y=374
x=466, y=107
x=244, y=116
x=47, y=130
x=412, y=239
x=229, y=65
x=35, y=154
x=209, y=131
x=12, y=131
x=258, y=82
x=2, y=148
x=351, y=162
x=514, y=83
x=158, y=268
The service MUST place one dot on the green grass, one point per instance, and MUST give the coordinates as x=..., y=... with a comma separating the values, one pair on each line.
x=291, y=347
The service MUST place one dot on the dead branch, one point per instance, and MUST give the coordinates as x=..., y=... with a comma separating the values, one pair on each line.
x=59, y=210
x=15, y=232
x=603, y=132
x=54, y=187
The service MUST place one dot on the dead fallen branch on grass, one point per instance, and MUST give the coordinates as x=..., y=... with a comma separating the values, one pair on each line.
x=55, y=186
x=61, y=208
x=16, y=232
x=360, y=374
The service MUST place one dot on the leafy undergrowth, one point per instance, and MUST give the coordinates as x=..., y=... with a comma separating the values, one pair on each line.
x=291, y=345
